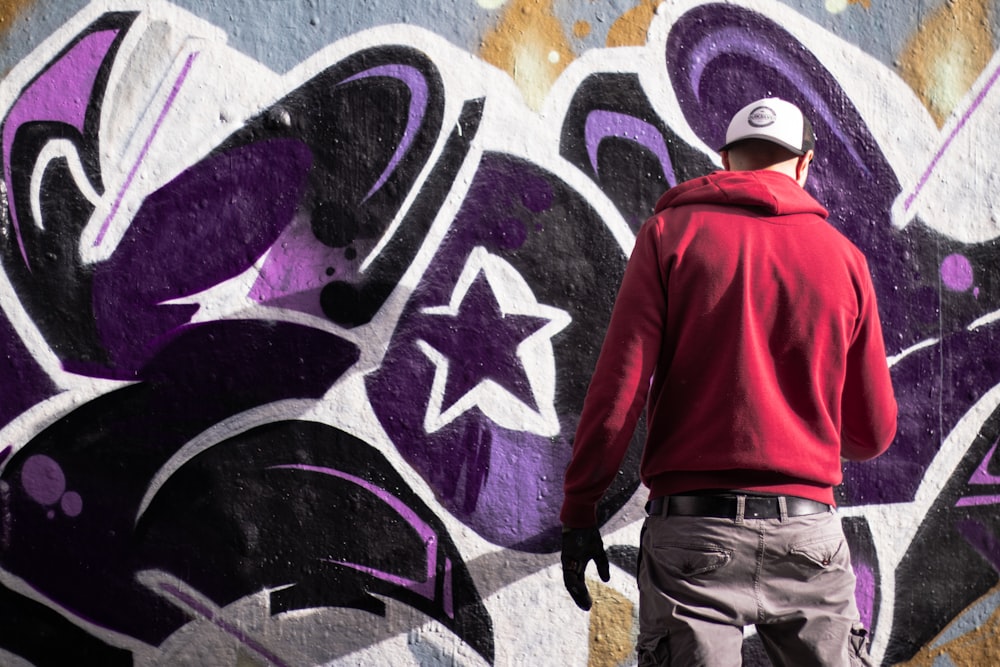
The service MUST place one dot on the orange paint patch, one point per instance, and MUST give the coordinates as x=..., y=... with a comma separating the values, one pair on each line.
x=529, y=44
x=581, y=29
x=947, y=54
x=631, y=27
x=612, y=619
x=9, y=9
x=980, y=646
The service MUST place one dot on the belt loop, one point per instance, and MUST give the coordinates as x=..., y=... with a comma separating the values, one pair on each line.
x=658, y=506
x=741, y=507
x=783, y=508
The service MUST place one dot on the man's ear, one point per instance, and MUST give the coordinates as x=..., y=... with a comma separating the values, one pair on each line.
x=725, y=160
x=802, y=167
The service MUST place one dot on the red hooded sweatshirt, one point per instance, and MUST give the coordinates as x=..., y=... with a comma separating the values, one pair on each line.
x=751, y=325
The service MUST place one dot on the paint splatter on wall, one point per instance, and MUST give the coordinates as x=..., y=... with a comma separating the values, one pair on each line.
x=531, y=45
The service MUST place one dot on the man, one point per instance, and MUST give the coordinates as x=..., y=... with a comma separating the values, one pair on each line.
x=751, y=323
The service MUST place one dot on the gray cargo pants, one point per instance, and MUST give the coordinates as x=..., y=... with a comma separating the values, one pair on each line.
x=703, y=579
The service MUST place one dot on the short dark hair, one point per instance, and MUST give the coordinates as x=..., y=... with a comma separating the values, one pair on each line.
x=761, y=153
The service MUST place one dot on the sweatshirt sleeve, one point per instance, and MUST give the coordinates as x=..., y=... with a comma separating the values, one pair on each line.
x=619, y=386
x=869, y=404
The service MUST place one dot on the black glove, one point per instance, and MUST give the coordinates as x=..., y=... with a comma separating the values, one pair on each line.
x=579, y=546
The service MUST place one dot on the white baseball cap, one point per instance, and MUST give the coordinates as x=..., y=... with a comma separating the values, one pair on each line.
x=774, y=120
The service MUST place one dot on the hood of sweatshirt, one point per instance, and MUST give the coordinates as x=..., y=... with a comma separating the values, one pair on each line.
x=770, y=191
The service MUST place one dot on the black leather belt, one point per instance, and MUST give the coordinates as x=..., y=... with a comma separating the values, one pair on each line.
x=726, y=506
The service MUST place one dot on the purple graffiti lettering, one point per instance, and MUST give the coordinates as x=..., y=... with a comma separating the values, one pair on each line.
x=603, y=124
x=145, y=147
x=226, y=208
x=426, y=533
x=280, y=197
x=60, y=94
x=414, y=80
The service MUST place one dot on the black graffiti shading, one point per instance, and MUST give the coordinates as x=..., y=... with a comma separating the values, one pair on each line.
x=612, y=133
x=624, y=556
x=954, y=558
x=320, y=514
x=481, y=471
x=371, y=122
x=18, y=368
x=43, y=636
x=41, y=257
x=75, y=489
x=354, y=303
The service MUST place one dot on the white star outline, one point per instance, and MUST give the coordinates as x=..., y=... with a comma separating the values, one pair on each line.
x=514, y=297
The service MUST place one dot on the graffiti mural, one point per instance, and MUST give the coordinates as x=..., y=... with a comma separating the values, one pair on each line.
x=293, y=360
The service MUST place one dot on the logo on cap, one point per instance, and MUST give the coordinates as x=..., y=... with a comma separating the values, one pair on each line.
x=762, y=117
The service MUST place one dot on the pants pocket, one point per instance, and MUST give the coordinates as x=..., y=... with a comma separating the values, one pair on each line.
x=858, y=651
x=692, y=560
x=658, y=656
x=820, y=553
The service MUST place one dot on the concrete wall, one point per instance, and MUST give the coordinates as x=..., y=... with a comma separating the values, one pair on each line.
x=300, y=300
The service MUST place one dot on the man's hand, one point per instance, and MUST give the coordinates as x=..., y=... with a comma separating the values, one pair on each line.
x=579, y=547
